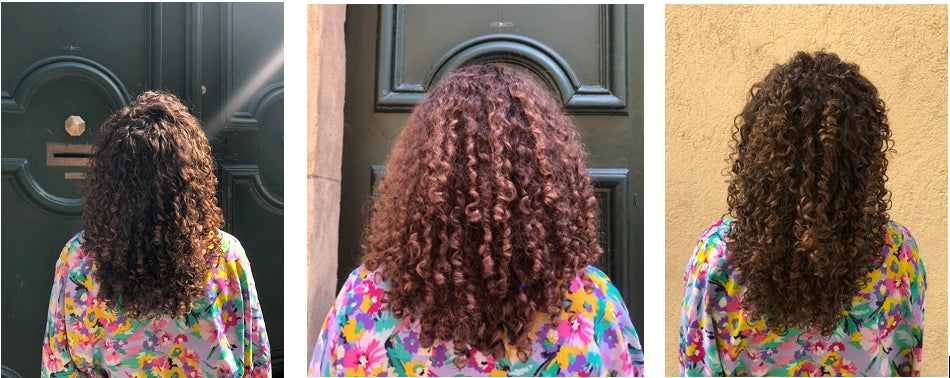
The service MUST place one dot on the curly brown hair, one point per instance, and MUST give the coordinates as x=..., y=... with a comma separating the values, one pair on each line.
x=807, y=191
x=150, y=213
x=485, y=213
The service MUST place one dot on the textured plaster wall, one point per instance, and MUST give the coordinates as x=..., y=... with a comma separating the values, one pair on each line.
x=326, y=68
x=715, y=53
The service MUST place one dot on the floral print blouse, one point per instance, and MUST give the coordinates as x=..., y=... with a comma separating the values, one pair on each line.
x=881, y=335
x=223, y=335
x=592, y=337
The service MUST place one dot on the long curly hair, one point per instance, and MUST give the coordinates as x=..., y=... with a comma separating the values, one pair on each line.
x=485, y=213
x=150, y=213
x=807, y=191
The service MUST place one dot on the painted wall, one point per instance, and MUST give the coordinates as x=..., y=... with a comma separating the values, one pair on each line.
x=713, y=56
x=326, y=65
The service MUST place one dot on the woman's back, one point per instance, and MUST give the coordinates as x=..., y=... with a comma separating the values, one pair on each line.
x=592, y=335
x=223, y=334
x=880, y=334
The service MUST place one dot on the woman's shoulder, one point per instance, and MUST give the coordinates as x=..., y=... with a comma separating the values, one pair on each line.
x=602, y=284
x=899, y=235
x=234, y=252
x=364, y=279
x=363, y=297
x=718, y=232
x=901, y=249
x=73, y=256
x=600, y=296
x=710, y=251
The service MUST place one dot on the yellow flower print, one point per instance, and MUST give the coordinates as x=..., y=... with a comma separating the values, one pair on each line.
x=873, y=276
x=417, y=368
x=856, y=337
x=352, y=330
x=177, y=351
x=703, y=253
x=732, y=287
x=565, y=354
x=103, y=314
x=145, y=358
x=580, y=300
x=123, y=327
x=176, y=371
x=69, y=305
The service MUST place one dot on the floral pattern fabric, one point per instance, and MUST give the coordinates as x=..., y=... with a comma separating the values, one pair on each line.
x=224, y=335
x=881, y=335
x=593, y=336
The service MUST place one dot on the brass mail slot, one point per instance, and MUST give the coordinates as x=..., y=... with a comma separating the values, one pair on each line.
x=67, y=155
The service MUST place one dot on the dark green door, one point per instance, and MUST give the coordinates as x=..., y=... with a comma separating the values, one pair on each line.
x=82, y=62
x=592, y=55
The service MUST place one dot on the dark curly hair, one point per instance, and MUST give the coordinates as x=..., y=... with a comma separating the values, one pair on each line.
x=807, y=191
x=485, y=213
x=150, y=213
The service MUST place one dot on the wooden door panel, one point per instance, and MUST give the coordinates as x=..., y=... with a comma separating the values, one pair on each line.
x=588, y=68
x=91, y=59
x=594, y=64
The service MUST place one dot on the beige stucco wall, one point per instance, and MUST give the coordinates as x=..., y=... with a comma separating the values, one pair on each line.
x=715, y=53
x=326, y=74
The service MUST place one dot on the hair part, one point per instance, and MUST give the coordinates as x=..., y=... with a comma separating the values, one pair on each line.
x=486, y=211
x=807, y=191
x=150, y=213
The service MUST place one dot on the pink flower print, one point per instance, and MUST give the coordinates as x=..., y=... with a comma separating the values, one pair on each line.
x=211, y=330
x=181, y=338
x=898, y=286
x=113, y=358
x=54, y=362
x=480, y=361
x=818, y=348
x=753, y=354
x=164, y=338
x=367, y=356
x=222, y=286
x=158, y=325
x=161, y=363
x=809, y=369
x=695, y=336
x=627, y=365
x=372, y=296
x=755, y=335
x=87, y=341
x=836, y=346
x=846, y=369
x=376, y=300
x=906, y=253
x=696, y=352
x=577, y=331
x=576, y=284
x=229, y=318
x=870, y=340
x=758, y=369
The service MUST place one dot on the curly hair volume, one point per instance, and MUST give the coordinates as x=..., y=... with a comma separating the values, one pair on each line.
x=150, y=213
x=485, y=213
x=807, y=191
